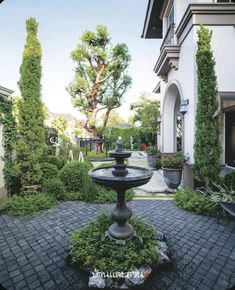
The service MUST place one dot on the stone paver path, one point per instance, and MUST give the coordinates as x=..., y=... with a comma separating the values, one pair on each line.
x=33, y=250
x=156, y=183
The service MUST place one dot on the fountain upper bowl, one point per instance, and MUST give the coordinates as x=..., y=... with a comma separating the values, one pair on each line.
x=136, y=176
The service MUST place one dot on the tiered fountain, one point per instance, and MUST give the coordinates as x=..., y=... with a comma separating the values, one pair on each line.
x=121, y=177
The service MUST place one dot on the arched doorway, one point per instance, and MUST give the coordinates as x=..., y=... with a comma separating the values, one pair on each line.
x=172, y=122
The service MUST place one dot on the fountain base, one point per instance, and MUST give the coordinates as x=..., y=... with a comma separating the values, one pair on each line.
x=136, y=277
x=121, y=234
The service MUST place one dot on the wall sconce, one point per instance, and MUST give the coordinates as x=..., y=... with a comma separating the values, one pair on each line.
x=159, y=119
x=184, y=106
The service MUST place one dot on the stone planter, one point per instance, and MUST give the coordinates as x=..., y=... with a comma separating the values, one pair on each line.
x=172, y=177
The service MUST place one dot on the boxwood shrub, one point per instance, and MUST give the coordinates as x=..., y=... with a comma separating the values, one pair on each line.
x=49, y=170
x=72, y=174
x=54, y=187
x=59, y=161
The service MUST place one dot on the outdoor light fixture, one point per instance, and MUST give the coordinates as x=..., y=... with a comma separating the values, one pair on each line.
x=159, y=119
x=184, y=106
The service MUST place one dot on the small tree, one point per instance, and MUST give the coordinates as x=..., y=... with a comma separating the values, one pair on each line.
x=146, y=113
x=59, y=124
x=31, y=145
x=207, y=145
x=101, y=77
x=114, y=119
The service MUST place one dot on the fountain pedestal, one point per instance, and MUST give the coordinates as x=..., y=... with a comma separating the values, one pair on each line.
x=121, y=214
x=121, y=177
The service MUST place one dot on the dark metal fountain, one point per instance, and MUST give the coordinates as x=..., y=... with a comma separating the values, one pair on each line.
x=121, y=177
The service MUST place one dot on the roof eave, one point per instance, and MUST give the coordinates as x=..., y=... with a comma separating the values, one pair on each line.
x=152, y=23
x=5, y=92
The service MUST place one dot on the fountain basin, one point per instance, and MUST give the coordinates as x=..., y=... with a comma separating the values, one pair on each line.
x=135, y=176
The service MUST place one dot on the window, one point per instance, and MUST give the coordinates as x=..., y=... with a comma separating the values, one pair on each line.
x=225, y=1
x=170, y=16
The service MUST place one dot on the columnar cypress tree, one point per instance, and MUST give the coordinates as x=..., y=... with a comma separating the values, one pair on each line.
x=31, y=117
x=207, y=145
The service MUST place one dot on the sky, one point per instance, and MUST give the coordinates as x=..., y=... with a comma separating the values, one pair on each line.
x=61, y=24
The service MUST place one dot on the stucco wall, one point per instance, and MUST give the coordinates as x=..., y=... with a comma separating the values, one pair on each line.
x=181, y=6
x=223, y=45
x=185, y=77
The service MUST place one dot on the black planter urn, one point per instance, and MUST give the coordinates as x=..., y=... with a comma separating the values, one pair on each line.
x=172, y=177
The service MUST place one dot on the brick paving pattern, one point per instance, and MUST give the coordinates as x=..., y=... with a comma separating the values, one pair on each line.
x=33, y=250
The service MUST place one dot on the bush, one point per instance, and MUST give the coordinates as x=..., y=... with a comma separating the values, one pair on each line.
x=59, y=161
x=72, y=196
x=125, y=133
x=49, y=170
x=88, y=189
x=174, y=160
x=229, y=180
x=72, y=174
x=196, y=202
x=106, y=194
x=54, y=187
x=93, y=154
x=29, y=191
x=29, y=204
x=91, y=249
x=222, y=193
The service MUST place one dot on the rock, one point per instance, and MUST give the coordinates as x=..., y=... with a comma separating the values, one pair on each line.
x=96, y=281
x=163, y=259
x=163, y=252
x=137, y=277
x=146, y=270
x=134, y=278
x=124, y=286
x=160, y=236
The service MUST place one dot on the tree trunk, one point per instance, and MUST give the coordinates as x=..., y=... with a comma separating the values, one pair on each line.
x=106, y=117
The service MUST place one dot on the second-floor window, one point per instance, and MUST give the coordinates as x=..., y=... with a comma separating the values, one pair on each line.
x=225, y=1
x=170, y=16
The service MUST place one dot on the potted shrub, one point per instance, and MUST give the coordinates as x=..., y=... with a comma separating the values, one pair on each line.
x=172, y=166
x=153, y=157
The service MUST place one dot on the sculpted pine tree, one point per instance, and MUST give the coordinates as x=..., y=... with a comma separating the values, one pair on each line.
x=31, y=144
x=101, y=77
x=207, y=144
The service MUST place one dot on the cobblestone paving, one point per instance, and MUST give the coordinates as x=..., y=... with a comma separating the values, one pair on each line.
x=33, y=250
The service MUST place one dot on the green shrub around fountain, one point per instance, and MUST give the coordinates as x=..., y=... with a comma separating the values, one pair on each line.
x=92, y=250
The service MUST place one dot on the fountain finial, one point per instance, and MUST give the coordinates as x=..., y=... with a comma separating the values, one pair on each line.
x=119, y=145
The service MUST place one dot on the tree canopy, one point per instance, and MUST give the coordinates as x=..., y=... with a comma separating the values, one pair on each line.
x=146, y=113
x=101, y=78
x=59, y=124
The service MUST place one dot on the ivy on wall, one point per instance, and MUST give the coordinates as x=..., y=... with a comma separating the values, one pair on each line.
x=8, y=137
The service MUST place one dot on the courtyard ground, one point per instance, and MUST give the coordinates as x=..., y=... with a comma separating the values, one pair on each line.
x=34, y=249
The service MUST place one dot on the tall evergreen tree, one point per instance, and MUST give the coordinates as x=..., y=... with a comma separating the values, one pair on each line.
x=31, y=116
x=207, y=144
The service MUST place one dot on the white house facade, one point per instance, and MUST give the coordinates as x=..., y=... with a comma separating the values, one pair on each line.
x=5, y=93
x=176, y=22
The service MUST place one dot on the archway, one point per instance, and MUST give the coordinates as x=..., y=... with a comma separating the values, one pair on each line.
x=172, y=122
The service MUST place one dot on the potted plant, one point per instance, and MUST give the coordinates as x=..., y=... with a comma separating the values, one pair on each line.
x=153, y=157
x=172, y=166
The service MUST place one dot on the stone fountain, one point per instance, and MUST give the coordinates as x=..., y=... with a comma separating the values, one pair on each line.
x=121, y=177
